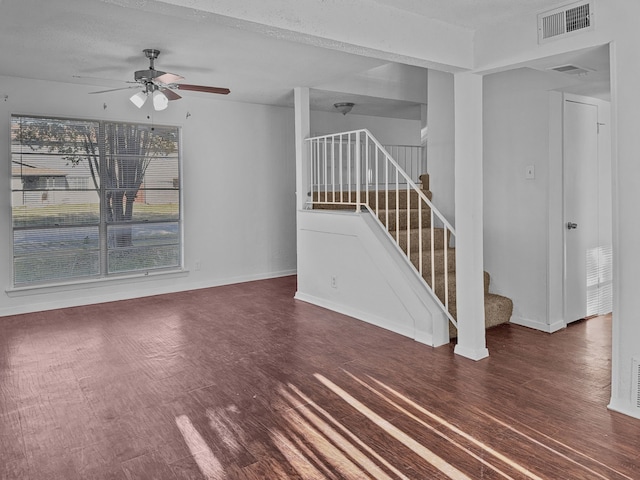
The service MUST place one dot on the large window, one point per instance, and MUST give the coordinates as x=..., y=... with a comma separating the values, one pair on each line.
x=93, y=199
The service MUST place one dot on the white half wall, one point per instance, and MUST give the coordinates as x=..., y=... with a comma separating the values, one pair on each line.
x=348, y=264
x=238, y=190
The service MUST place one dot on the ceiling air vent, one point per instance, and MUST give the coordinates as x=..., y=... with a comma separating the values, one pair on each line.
x=566, y=20
x=571, y=70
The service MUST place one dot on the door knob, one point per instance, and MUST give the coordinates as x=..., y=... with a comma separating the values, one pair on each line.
x=571, y=225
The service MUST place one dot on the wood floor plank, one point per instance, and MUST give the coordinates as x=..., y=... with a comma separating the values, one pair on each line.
x=244, y=382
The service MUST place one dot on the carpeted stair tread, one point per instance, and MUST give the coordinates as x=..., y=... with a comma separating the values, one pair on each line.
x=331, y=206
x=400, y=218
x=497, y=310
x=424, y=181
x=451, y=281
x=370, y=197
x=414, y=237
x=439, y=261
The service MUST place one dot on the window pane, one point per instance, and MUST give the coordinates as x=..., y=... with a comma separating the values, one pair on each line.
x=64, y=173
x=143, y=247
x=53, y=171
x=55, y=253
x=131, y=259
x=55, y=208
x=52, y=135
x=148, y=206
x=140, y=140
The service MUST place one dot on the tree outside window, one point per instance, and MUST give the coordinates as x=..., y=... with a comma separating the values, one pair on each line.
x=113, y=205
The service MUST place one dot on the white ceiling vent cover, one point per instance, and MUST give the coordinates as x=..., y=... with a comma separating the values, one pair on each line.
x=566, y=20
x=635, y=383
x=571, y=70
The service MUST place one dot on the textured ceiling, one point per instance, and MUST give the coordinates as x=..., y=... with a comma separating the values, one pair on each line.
x=98, y=44
x=473, y=14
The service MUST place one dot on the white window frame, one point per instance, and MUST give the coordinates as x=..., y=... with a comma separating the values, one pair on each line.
x=106, y=227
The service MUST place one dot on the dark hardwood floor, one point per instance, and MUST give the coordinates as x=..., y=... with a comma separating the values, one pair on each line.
x=244, y=382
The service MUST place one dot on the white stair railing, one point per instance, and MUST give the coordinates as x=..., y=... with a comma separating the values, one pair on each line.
x=352, y=170
x=410, y=158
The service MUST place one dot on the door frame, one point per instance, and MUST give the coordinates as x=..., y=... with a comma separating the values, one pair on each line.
x=604, y=166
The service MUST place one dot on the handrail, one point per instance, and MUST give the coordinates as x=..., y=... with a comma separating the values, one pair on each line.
x=349, y=169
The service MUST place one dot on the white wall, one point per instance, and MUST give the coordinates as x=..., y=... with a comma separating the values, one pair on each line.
x=388, y=131
x=616, y=20
x=392, y=80
x=238, y=184
x=440, y=142
x=516, y=134
x=524, y=218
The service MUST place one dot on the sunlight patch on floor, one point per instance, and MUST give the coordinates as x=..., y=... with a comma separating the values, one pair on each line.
x=395, y=432
x=449, y=426
x=207, y=462
x=560, y=454
x=312, y=441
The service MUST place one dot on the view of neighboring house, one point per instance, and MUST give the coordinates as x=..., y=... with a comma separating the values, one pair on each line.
x=29, y=182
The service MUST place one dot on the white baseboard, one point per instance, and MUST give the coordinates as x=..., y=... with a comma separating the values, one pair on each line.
x=625, y=409
x=359, y=315
x=538, y=325
x=471, y=353
x=145, y=286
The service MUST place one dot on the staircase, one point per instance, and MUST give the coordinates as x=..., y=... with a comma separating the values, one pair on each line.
x=497, y=309
x=402, y=210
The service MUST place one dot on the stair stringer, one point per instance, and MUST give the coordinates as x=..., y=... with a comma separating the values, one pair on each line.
x=374, y=281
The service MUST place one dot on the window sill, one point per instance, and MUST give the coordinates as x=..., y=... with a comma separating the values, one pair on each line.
x=94, y=283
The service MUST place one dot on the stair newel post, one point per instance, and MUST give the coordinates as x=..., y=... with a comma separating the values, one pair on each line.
x=408, y=220
x=358, y=161
x=433, y=254
x=386, y=192
x=420, y=234
x=446, y=269
x=397, y=202
x=340, y=179
x=333, y=168
x=366, y=168
x=324, y=168
x=377, y=183
x=318, y=175
x=349, y=167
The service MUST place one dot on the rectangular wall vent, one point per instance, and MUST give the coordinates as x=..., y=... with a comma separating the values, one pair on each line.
x=635, y=383
x=566, y=20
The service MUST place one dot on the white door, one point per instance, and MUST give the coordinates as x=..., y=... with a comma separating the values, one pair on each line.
x=580, y=208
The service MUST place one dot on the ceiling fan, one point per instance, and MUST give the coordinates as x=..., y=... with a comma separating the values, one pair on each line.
x=160, y=85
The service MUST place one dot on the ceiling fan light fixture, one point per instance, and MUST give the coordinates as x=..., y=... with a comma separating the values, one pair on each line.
x=160, y=85
x=343, y=107
x=160, y=100
x=138, y=99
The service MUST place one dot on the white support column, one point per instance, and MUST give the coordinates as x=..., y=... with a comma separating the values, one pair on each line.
x=303, y=131
x=468, y=214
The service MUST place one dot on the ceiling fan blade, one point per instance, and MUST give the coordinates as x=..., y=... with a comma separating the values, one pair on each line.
x=170, y=94
x=200, y=88
x=167, y=78
x=115, y=89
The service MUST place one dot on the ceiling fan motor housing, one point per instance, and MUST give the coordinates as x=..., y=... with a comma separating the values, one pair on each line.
x=147, y=75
